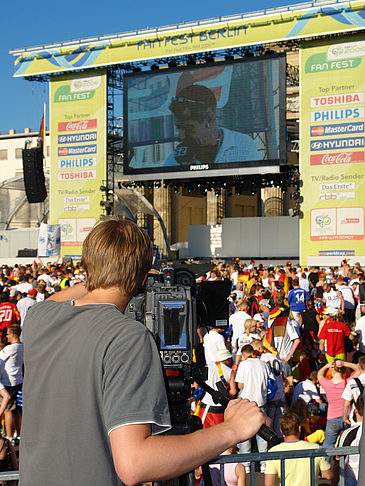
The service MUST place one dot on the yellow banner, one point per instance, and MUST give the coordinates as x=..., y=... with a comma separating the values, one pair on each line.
x=200, y=36
x=332, y=159
x=78, y=155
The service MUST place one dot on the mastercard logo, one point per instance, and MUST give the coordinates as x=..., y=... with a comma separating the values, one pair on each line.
x=63, y=151
x=316, y=131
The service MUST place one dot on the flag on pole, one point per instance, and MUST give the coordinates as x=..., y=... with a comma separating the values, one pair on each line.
x=40, y=140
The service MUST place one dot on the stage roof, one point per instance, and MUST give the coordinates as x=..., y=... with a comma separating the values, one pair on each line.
x=266, y=26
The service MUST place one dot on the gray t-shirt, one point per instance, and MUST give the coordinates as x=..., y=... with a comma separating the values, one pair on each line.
x=88, y=369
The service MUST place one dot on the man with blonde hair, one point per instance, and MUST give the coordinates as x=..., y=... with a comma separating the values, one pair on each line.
x=94, y=395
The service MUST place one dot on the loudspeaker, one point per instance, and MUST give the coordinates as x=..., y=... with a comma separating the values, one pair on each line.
x=34, y=183
x=215, y=295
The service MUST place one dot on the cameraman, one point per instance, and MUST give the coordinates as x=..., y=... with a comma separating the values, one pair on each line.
x=94, y=394
x=202, y=141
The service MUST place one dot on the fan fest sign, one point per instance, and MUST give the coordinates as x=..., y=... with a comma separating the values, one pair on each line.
x=78, y=155
x=332, y=157
x=201, y=36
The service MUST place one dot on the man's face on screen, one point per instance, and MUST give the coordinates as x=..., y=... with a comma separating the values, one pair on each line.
x=200, y=132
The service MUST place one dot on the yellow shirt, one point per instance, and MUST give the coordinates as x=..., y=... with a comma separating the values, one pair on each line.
x=297, y=471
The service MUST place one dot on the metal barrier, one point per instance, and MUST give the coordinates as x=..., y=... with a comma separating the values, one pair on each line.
x=340, y=452
x=253, y=458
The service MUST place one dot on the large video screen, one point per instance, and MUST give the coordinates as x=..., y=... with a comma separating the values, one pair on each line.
x=221, y=119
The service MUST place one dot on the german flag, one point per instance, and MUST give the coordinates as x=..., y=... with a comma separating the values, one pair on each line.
x=277, y=322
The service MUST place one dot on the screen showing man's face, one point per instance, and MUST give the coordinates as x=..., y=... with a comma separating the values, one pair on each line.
x=189, y=129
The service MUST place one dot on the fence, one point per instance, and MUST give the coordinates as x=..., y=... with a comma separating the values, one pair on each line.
x=340, y=452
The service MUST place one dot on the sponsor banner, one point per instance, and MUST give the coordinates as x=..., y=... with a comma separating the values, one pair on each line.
x=334, y=196
x=77, y=163
x=336, y=115
x=337, y=129
x=78, y=150
x=339, y=99
x=77, y=125
x=332, y=152
x=78, y=137
x=337, y=143
x=77, y=175
x=78, y=167
x=345, y=186
x=337, y=252
x=337, y=158
x=199, y=36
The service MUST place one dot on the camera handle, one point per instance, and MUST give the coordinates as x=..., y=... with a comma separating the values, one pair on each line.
x=264, y=431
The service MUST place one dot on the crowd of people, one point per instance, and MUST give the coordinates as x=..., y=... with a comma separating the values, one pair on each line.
x=21, y=287
x=296, y=346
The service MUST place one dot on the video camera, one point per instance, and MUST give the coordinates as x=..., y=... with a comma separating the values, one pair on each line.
x=172, y=307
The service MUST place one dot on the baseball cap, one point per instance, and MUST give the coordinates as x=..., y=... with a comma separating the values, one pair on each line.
x=223, y=354
x=32, y=292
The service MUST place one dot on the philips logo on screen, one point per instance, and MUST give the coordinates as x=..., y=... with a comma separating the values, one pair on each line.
x=339, y=143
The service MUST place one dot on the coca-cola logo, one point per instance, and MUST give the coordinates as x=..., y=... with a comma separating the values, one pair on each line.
x=342, y=158
x=75, y=126
x=337, y=158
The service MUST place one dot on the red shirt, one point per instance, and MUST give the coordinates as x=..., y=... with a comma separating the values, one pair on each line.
x=9, y=314
x=334, y=332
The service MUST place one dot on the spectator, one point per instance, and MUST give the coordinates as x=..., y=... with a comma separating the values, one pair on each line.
x=354, y=388
x=25, y=304
x=309, y=321
x=283, y=334
x=349, y=302
x=11, y=376
x=252, y=381
x=333, y=298
x=220, y=376
x=334, y=389
x=360, y=330
x=333, y=334
x=9, y=313
x=349, y=438
x=237, y=321
x=297, y=472
x=276, y=406
x=297, y=299
x=308, y=389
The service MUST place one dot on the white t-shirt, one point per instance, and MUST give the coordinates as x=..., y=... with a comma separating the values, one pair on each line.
x=333, y=301
x=284, y=343
x=304, y=284
x=348, y=296
x=306, y=390
x=213, y=342
x=237, y=321
x=351, y=437
x=360, y=329
x=23, y=305
x=253, y=373
x=213, y=378
x=11, y=364
x=46, y=278
x=244, y=339
x=24, y=287
x=276, y=371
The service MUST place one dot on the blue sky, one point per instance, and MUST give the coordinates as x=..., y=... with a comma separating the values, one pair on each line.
x=26, y=25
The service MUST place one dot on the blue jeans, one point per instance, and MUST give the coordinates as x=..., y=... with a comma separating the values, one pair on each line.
x=333, y=428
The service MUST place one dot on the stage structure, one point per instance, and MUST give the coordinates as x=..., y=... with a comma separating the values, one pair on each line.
x=141, y=109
